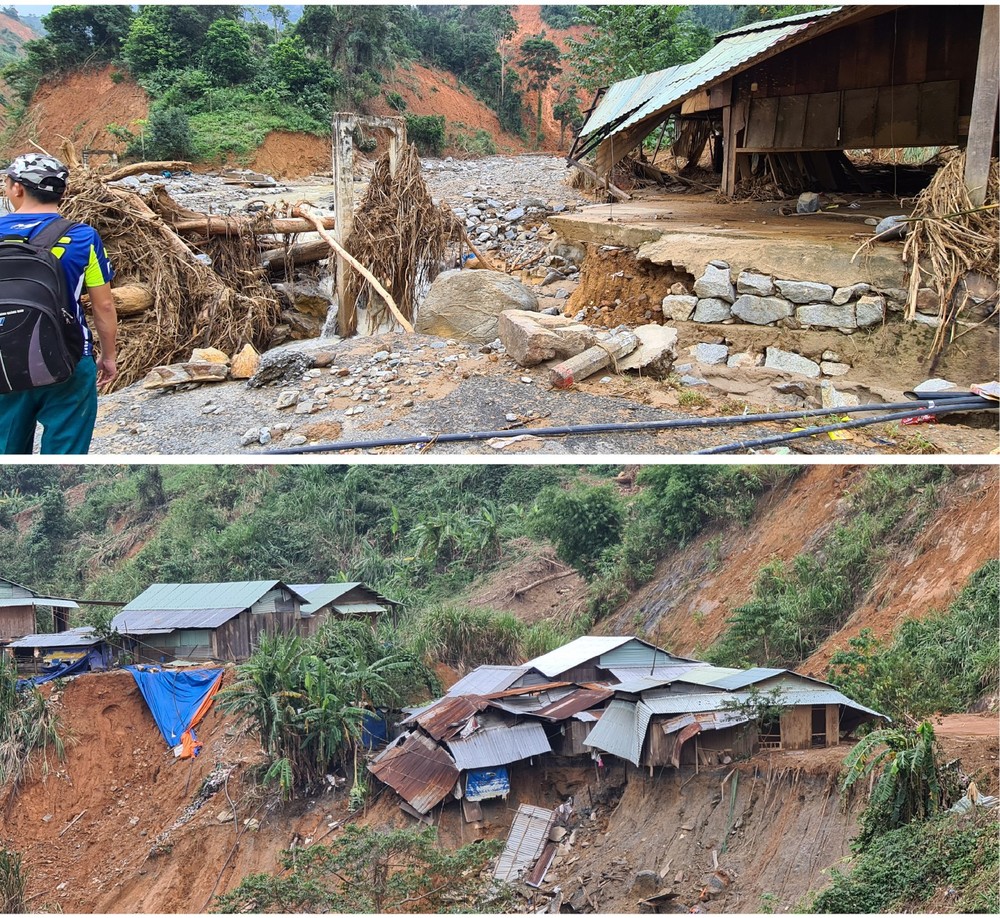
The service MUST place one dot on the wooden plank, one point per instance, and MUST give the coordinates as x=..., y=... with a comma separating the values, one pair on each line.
x=822, y=127
x=790, y=124
x=796, y=728
x=937, y=114
x=761, y=124
x=984, y=108
x=858, y=125
x=896, y=116
x=833, y=725
x=729, y=153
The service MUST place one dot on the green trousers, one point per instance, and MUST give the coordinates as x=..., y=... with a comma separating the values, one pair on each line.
x=67, y=412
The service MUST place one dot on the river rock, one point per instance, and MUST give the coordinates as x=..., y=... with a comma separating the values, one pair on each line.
x=245, y=363
x=761, y=310
x=679, y=307
x=715, y=283
x=804, y=291
x=831, y=368
x=712, y=310
x=826, y=314
x=306, y=296
x=788, y=362
x=845, y=294
x=709, y=354
x=870, y=310
x=467, y=304
x=754, y=284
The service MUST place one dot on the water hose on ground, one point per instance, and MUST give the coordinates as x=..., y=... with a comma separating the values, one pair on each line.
x=949, y=403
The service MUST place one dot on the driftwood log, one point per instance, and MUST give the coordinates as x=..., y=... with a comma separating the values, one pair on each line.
x=131, y=299
x=302, y=253
x=207, y=225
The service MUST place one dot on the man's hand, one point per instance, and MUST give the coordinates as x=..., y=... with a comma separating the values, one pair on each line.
x=107, y=370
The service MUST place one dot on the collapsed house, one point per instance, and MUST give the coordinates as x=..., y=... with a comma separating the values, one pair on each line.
x=712, y=715
x=44, y=657
x=787, y=97
x=18, y=607
x=619, y=696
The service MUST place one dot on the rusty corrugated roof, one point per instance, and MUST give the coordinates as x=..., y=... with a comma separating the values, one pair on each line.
x=580, y=700
x=528, y=833
x=447, y=717
x=417, y=769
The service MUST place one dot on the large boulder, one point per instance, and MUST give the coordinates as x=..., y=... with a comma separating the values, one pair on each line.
x=466, y=305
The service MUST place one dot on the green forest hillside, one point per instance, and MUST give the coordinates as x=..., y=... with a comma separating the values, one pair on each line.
x=218, y=76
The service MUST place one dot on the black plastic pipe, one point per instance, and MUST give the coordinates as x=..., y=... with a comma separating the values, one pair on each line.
x=950, y=406
x=975, y=402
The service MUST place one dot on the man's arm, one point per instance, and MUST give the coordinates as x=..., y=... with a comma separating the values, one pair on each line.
x=106, y=325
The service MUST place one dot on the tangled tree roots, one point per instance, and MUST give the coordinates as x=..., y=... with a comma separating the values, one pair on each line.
x=225, y=305
x=401, y=236
x=950, y=238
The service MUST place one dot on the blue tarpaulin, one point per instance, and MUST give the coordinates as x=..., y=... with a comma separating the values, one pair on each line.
x=487, y=783
x=177, y=700
x=58, y=672
x=374, y=730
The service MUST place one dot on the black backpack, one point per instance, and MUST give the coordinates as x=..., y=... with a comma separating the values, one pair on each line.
x=41, y=341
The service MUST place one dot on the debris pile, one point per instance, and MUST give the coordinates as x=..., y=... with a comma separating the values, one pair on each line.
x=221, y=300
x=954, y=248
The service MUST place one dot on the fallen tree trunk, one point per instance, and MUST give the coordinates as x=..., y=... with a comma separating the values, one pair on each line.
x=139, y=168
x=229, y=226
x=302, y=253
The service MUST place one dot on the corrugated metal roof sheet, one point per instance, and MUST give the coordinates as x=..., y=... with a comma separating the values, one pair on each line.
x=191, y=597
x=747, y=677
x=575, y=653
x=771, y=23
x=708, y=675
x=417, y=769
x=448, y=716
x=711, y=720
x=74, y=637
x=626, y=96
x=359, y=608
x=499, y=745
x=485, y=680
x=148, y=621
x=731, y=54
x=684, y=703
x=38, y=601
x=321, y=594
x=617, y=732
x=666, y=672
x=574, y=703
x=528, y=833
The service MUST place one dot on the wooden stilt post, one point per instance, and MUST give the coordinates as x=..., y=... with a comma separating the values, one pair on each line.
x=984, y=108
x=343, y=206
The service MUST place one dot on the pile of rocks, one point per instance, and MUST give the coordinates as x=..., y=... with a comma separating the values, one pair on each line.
x=757, y=299
x=204, y=193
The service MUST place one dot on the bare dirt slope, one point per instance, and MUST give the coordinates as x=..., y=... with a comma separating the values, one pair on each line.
x=686, y=605
x=79, y=106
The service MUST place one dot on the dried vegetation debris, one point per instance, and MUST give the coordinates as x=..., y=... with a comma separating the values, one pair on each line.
x=950, y=240
x=400, y=235
x=226, y=304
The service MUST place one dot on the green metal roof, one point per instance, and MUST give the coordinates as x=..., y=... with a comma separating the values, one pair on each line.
x=190, y=597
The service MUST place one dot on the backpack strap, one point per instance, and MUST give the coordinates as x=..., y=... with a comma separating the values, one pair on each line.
x=47, y=237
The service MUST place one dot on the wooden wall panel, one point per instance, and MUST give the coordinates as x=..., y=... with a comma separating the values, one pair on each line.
x=16, y=622
x=796, y=728
x=833, y=724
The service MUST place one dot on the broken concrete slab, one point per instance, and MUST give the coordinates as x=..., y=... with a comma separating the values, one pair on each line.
x=177, y=374
x=656, y=352
x=531, y=338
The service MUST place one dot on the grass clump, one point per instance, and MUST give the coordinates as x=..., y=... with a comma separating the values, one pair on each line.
x=13, y=883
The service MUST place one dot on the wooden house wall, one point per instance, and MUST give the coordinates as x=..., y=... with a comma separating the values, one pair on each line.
x=16, y=622
x=587, y=672
x=833, y=724
x=737, y=742
x=235, y=640
x=796, y=728
x=569, y=736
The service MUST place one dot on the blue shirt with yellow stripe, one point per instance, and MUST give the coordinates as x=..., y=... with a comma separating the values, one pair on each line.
x=81, y=254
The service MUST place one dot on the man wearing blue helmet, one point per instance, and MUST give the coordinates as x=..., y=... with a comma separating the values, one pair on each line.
x=35, y=184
